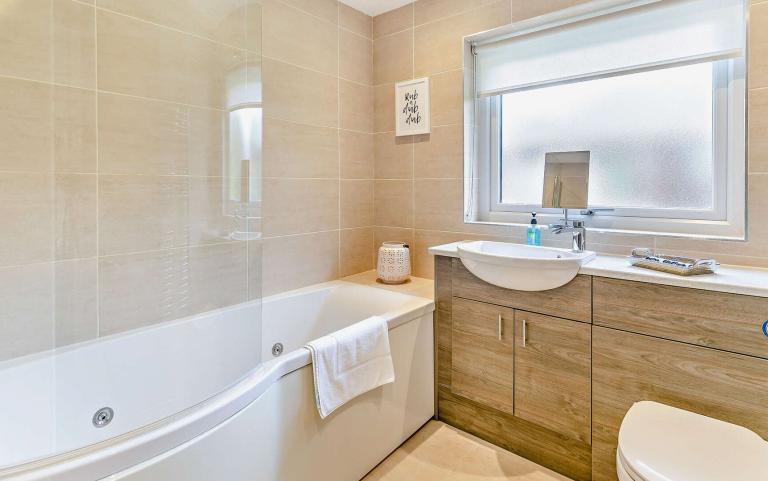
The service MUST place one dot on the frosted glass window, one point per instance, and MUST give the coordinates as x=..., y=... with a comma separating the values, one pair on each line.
x=650, y=135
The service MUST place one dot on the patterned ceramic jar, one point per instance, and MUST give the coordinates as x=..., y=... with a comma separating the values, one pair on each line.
x=394, y=264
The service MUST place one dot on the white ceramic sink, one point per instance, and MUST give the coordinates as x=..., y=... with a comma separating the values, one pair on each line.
x=522, y=267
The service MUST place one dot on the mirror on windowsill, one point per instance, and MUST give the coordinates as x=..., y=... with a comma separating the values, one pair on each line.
x=566, y=180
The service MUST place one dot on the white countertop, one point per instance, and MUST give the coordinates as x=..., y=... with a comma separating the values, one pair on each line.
x=750, y=281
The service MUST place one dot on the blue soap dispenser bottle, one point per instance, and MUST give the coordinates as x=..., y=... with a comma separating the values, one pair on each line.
x=533, y=234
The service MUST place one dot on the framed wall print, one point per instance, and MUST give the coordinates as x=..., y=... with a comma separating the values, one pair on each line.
x=412, y=107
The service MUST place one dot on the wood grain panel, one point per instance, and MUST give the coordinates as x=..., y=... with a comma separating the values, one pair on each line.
x=443, y=282
x=571, y=301
x=553, y=373
x=482, y=358
x=731, y=322
x=632, y=367
x=547, y=448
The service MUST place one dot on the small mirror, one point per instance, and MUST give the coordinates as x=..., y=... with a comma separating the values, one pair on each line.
x=566, y=180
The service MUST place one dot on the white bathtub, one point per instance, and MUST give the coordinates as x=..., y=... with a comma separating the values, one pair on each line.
x=263, y=426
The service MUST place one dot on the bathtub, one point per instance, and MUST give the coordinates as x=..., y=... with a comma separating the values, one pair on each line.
x=258, y=420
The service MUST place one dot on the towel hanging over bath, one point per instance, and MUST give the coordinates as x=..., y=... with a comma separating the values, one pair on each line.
x=350, y=362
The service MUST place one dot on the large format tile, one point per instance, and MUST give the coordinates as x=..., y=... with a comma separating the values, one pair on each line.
x=355, y=21
x=356, y=58
x=74, y=130
x=432, y=10
x=447, y=97
x=394, y=156
x=26, y=319
x=384, y=108
x=75, y=199
x=298, y=261
x=142, y=136
x=26, y=214
x=439, y=204
x=356, y=203
x=48, y=41
x=356, y=106
x=440, y=154
x=300, y=151
x=356, y=254
x=356, y=155
x=146, y=60
x=393, y=58
x=295, y=206
x=327, y=10
x=25, y=126
x=221, y=20
x=295, y=37
x=393, y=203
x=438, y=45
x=523, y=9
x=758, y=130
x=300, y=95
x=138, y=290
x=393, y=21
x=75, y=306
x=758, y=46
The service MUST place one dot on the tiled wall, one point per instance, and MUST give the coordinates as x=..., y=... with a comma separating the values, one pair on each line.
x=318, y=143
x=418, y=192
x=113, y=133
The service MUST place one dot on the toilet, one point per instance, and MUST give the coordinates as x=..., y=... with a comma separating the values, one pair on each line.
x=662, y=443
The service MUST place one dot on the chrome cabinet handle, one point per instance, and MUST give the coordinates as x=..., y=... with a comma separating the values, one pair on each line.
x=525, y=333
x=501, y=327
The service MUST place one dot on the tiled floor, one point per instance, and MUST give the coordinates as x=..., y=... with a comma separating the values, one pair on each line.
x=439, y=452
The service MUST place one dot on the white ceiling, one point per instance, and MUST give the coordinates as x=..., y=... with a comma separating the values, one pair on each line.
x=376, y=7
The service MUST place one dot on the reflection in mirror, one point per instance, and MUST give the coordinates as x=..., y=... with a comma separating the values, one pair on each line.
x=566, y=180
x=242, y=188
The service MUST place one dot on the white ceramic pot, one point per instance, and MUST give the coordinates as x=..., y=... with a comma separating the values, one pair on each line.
x=394, y=263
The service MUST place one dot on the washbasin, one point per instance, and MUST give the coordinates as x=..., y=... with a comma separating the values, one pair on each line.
x=522, y=267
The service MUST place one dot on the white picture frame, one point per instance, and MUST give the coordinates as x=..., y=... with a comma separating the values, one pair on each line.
x=412, y=113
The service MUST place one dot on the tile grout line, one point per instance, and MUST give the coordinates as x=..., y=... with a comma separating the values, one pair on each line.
x=338, y=135
x=98, y=173
x=52, y=179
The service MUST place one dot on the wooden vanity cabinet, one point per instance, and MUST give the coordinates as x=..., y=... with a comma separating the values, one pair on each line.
x=553, y=373
x=483, y=348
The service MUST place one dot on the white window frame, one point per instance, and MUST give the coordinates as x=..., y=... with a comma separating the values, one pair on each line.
x=726, y=221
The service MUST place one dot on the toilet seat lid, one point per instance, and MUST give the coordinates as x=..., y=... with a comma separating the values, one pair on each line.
x=661, y=443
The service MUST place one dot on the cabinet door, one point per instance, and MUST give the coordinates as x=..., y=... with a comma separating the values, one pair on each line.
x=553, y=373
x=483, y=353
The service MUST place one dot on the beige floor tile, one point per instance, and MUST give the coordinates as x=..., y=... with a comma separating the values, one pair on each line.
x=442, y=453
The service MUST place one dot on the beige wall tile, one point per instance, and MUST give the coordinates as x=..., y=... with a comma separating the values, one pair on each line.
x=438, y=45
x=75, y=216
x=394, y=156
x=356, y=203
x=438, y=204
x=74, y=44
x=298, y=38
x=758, y=130
x=26, y=319
x=393, y=204
x=758, y=46
x=74, y=130
x=147, y=60
x=26, y=210
x=299, y=261
x=447, y=96
x=522, y=9
x=299, y=95
x=356, y=58
x=25, y=126
x=295, y=206
x=75, y=311
x=356, y=106
x=221, y=20
x=440, y=154
x=142, y=213
x=393, y=21
x=142, y=136
x=207, y=221
x=137, y=290
x=356, y=155
x=355, y=21
x=423, y=261
x=48, y=41
x=356, y=254
x=384, y=108
x=255, y=262
x=393, y=58
x=297, y=150
x=324, y=9
x=431, y=10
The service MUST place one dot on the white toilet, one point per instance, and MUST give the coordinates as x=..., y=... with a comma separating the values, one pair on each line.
x=661, y=443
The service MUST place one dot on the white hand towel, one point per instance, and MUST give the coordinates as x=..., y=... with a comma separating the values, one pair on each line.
x=350, y=362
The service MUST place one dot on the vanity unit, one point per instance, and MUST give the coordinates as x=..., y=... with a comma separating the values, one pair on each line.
x=551, y=374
